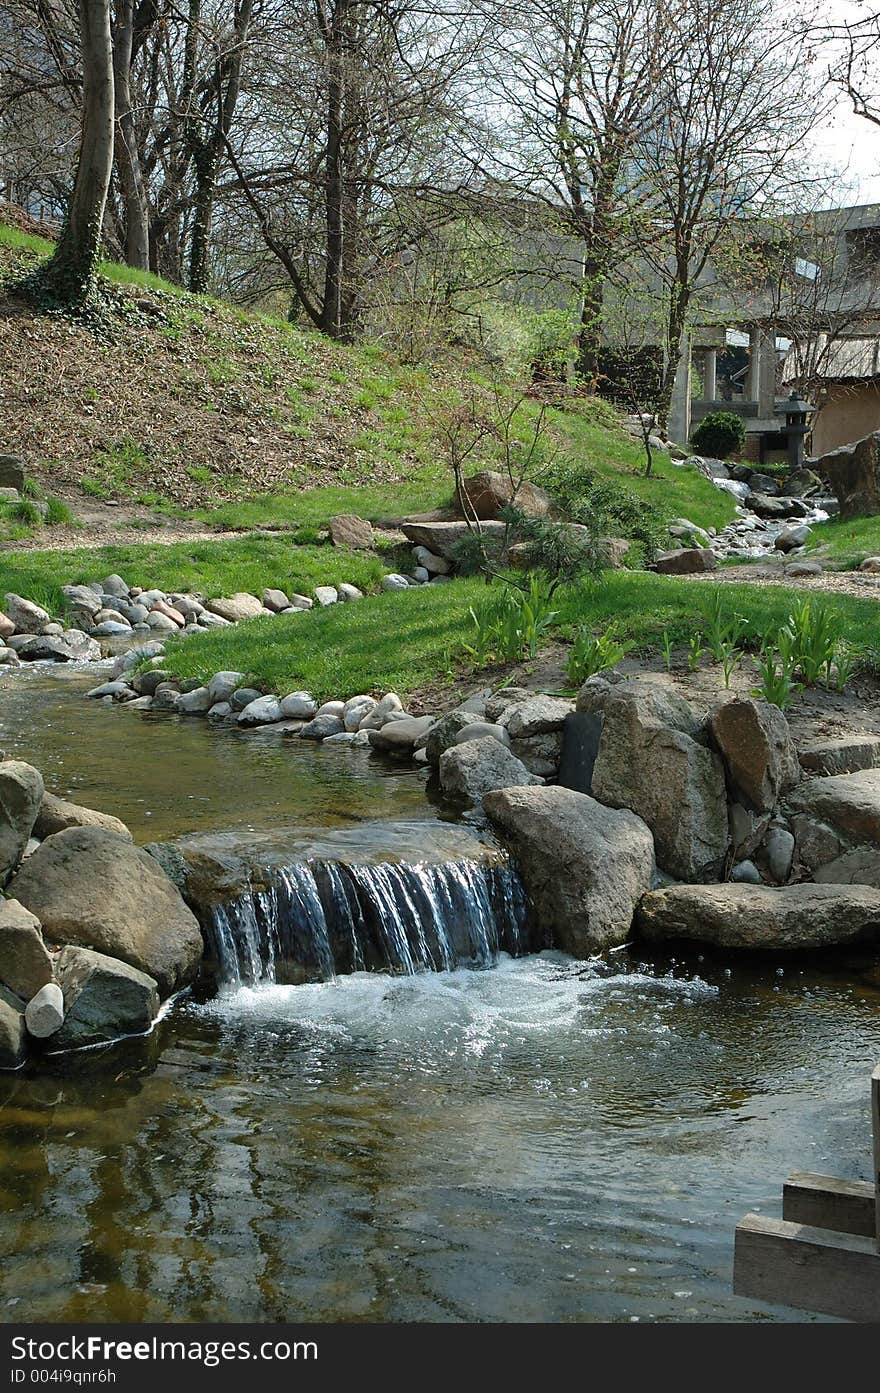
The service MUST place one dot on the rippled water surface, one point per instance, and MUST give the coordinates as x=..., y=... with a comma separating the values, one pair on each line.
x=545, y=1140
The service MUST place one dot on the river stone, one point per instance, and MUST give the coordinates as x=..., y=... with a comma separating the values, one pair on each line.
x=301, y=602
x=847, y=803
x=331, y=708
x=223, y=684
x=195, y=703
x=541, y=754
x=843, y=756
x=25, y=964
x=537, y=716
x=160, y=623
x=442, y=538
x=469, y=771
x=350, y=592
x=675, y=785
x=27, y=617
x=476, y=730
x=755, y=743
x=166, y=697
x=399, y=737
x=103, y=999
x=13, y=1041
x=220, y=712
x=212, y=621
x=262, y=712
x=758, y=917
x=276, y=601
x=650, y=693
x=326, y=595
x=497, y=703
x=348, y=530
x=243, y=696
x=791, y=537
x=81, y=648
x=44, y=1013
x=137, y=915
x=389, y=708
x=395, y=581
x=429, y=564
x=109, y=628
x=21, y=793
x=236, y=607
x=9, y=658
x=57, y=814
x=746, y=873
x=162, y=607
x=779, y=852
x=144, y=703
x=115, y=585
x=853, y=471
x=81, y=597
x=321, y=726
x=584, y=866
x=355, y=710
x=298, y=706
x=442, y=734
x=7, y=627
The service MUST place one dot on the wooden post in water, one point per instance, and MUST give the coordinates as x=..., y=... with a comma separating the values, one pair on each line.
x=823, y=1255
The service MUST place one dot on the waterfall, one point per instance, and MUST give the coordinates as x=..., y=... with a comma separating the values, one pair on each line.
x=314, y=919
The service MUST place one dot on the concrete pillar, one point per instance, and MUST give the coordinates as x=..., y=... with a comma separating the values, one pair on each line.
x=680, y=408
x=710, y=377
x=753, y=378
x=767, y=374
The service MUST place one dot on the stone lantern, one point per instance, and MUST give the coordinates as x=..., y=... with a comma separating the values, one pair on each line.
x=796, y=412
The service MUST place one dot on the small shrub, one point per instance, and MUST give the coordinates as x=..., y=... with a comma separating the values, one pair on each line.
x=777, y=683
x=26, y=511
x=719, y=435
x=606, y=507
x=591, y=653
x=814, y=640
x=58, y=514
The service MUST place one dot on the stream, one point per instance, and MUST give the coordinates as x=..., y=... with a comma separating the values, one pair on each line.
x=536, y=1140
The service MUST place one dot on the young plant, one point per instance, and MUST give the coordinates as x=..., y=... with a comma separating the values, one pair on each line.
x=812, y=629
x=590, y=654
x=667, y=650
x=695, y=651
x=722, y=633
x=777, y=684
x=843, y=667
x=731, y=657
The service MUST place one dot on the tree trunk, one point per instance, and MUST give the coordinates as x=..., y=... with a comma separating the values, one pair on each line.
x=590, y=334
x=134, y=193
x=334, y=197
x=203, y=209
x=69, y=277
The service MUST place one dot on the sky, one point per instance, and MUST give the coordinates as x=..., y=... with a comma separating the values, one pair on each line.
x=846, y=143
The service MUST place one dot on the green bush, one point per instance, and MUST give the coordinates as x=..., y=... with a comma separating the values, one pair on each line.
x=719, y=435
x=609, y=509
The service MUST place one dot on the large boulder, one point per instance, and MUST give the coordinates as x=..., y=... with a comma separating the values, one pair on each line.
x=21, y=794
x=847, y=803
x=470, y=770
x=686, y=561
x=442, y=538
x=756, y=917
x=486, y=494
x=584, y=866
x=234, y=608
x=25, y=964
x=103, y=999
x=755, y=743
x=27, y=617
x=94, y=889
x=664, y=776
x=13, y=1038
x=853, y=471
x=844, y=755
x=57, y=814
x=348, y=530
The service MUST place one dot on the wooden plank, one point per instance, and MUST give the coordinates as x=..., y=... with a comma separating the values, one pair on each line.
x=824, y=1202
x=832, y=1274
x=875, y=1128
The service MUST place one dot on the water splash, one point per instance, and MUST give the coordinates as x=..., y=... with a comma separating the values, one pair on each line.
x=311, y=920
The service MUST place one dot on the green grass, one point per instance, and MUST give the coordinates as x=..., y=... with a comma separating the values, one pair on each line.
x=406, y=640
x=313, y=507
x=848, y=543
x=112, y=270
x=210, y=568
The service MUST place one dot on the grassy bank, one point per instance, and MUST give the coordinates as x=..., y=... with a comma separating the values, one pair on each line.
x=209, y=568
x=848, y=543
x=413, y=639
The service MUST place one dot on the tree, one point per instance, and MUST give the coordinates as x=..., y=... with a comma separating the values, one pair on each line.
x=69, y=277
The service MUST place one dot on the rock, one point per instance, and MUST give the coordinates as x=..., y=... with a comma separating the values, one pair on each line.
x=162, y=607
x=115, y=585
x=109, y=628
x=470, y=770
x=138, y=915
x=442, y=734
x=355, y=710
x=212, y=621
x=584, y=866
x=421, y=575
x=160, y=623
x=382, y=712
x=791, y=537
x=166, y=697
x=847, y=803
x=298, y=706
x=747, y=829
x=12, y=472
x=859, y=867
x=301, y=602
x=541, y=754
x=442, y=538
x=220, y=712
x=195, y=703
x=842, y=756
x=488, y=493
x=758, y=917
x=103, y=999
x=870, y=563
x=345, y=737
x=264, y=711
x=772, y=508
x=801, y=483
x=755, y=743
x=537, y=716
x=25, y=964
x=852, y=471
x=686, y=561
x=235, y=608
x=660, y=773
x=331, y=708
x=816, y=843
x=223, y=684
x=21, y=793
x=433, y=565
x=13, y=1043
x=746, y=873
x=399, y=737
x=44, y=1013
x=764, y=483
x=478, y=729
x=349, y=592
x=80, y=597
x=496, y=704
x=347, y=530
x=276, y=601
x=7, y=627
x=581, y=732
x=395, y=582
x=57, y=814
x=321, y=727
x=326, y=595
x=243, y=696
x=779, y=851
x=28, y=618
x=804, y=568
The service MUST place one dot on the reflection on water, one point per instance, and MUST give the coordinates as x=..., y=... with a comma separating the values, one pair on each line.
x=541, y=1141
x=166, y=776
